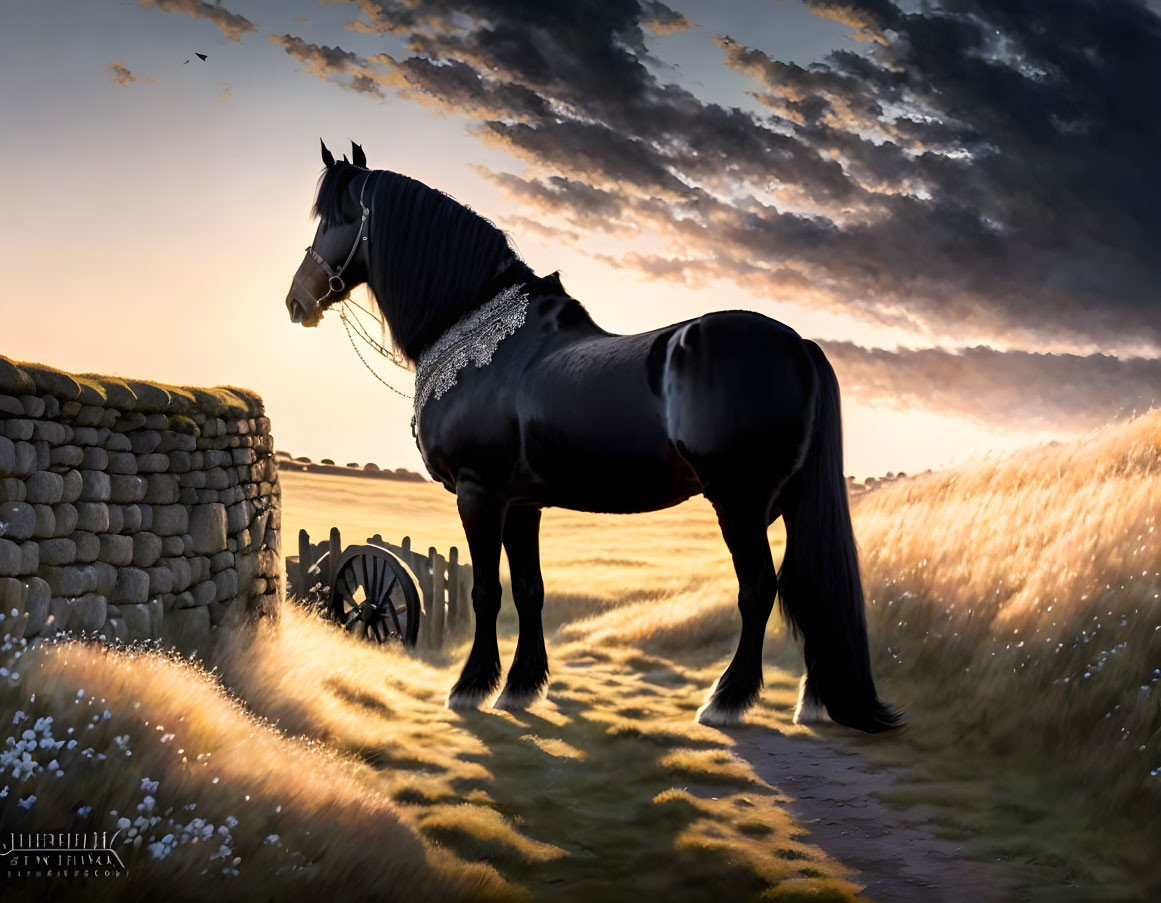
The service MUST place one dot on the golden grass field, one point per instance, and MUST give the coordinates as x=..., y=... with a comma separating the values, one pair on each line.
x=325, y=765
x=1018, y=601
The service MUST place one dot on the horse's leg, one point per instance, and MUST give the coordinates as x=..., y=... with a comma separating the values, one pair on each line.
x=744, y=529
x=483, y=519
x=529, y=671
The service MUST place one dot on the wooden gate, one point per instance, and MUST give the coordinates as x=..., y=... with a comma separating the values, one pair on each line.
x=444, y=583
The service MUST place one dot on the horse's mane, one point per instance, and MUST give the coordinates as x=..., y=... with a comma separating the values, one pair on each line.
x=432, y=257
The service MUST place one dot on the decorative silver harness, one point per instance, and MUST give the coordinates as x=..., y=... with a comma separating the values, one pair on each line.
x=473, y=339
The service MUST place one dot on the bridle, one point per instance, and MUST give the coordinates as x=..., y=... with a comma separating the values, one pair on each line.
x=335, y=284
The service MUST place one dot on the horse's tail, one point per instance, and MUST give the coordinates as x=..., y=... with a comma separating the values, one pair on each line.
x=819, y=586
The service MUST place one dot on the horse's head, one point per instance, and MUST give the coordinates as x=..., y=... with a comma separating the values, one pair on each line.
x=336, y=260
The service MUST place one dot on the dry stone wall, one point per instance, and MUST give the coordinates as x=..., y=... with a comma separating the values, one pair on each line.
x=134, y=510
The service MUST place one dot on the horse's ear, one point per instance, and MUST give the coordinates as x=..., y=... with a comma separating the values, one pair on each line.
x=357, y=156
x=345, y=160
x=328, y=158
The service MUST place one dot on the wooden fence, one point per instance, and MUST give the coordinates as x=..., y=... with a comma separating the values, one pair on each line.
x=444, y=583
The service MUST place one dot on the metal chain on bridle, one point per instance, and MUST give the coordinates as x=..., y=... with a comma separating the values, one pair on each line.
x=350, y=319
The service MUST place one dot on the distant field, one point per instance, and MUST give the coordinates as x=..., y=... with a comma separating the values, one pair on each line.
x=590, y=561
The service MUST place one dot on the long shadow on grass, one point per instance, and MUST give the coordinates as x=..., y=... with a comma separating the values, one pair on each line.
x=640, y=802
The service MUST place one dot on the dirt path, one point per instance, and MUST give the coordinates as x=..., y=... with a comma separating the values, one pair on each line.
x=832, y=792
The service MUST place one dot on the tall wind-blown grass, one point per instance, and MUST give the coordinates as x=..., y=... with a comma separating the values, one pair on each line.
x=1015, y=606
x=197, y=795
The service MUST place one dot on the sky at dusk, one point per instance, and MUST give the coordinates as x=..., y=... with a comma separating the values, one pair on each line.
x=958, y=199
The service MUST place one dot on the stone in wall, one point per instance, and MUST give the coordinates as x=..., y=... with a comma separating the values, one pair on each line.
x=132, y=511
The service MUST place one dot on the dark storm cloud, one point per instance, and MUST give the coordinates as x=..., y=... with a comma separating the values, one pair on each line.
x=972, y=170
x=588, y=207
x=976, y=167
x=588, y=62
x=1026, y=169
x=457, y=86
x=590, y=150
x=232, y=25
x=1019, y=390
x=333, y=64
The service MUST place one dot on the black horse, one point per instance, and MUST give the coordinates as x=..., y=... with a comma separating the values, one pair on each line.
x=523, y=402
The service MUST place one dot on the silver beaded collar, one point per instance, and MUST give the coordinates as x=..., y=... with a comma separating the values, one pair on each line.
x=473, y=339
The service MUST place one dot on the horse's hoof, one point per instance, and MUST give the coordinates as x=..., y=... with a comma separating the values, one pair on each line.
x=516, y=700
x=716, y=714
x=466, y=699
x=810, y=711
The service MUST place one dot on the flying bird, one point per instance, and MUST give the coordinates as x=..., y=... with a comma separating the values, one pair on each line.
x=200, y=56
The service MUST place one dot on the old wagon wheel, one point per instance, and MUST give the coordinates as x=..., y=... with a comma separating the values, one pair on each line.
x=374, y=596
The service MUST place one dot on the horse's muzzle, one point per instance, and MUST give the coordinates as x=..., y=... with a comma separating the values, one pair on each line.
x=302, y=312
